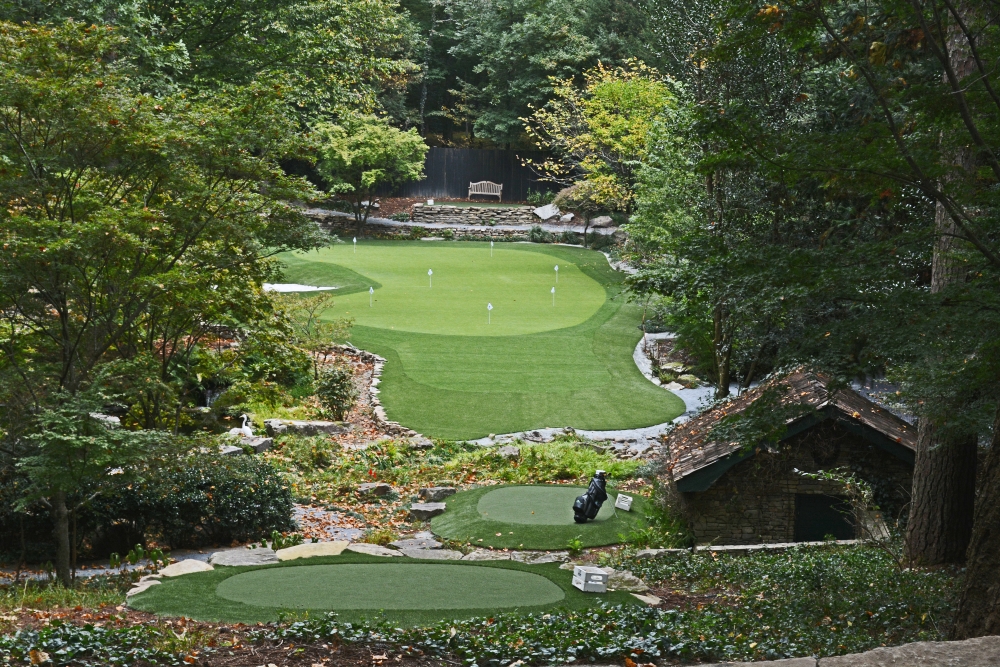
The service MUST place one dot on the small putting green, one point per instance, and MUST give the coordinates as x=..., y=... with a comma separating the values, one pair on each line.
x=356, y=586
x=532, y=517
x=396, y=586
x=454, y=373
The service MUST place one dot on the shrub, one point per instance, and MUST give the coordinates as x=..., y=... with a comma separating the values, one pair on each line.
x=336, y=391
x=540, y=198
x=539, y=235
x=403, y=216
x=569, y=237
x=198, y=501
x=598, y=241
x=448, y=234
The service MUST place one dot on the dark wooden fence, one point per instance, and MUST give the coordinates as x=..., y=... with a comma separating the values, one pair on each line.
x=450, y=170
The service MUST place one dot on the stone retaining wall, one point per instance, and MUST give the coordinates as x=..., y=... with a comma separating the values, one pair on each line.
x=342, y=226
x=474, y=215
x=390, y=427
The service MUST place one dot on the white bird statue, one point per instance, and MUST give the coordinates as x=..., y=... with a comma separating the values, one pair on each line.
x=244, y=430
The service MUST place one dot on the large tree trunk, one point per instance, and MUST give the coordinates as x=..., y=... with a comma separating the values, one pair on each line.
x=978, y=611
x=723, y=349
x=60, y=519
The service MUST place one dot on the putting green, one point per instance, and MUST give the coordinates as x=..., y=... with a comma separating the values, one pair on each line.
x=356, y=586
x=453, y=373
x=533, y=517
x=389, y=586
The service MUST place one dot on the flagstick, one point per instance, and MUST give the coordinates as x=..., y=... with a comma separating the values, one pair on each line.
x=553, y=296
x=371, y=291
x=557, y=274
x=355, y=245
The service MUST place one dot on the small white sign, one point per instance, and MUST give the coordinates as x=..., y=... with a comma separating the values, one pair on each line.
x=623, y=502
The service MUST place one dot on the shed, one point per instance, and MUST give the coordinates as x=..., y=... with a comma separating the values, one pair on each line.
x=743, y=495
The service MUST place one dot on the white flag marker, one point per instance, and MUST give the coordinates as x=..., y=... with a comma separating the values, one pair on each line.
x=489, y=313
x=557, y=273
x=430, y=281
x=355, y=245
x=371, y=292
x=553, y=296
x=491, y=247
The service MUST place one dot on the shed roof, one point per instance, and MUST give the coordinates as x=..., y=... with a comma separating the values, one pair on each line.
x=690, y=452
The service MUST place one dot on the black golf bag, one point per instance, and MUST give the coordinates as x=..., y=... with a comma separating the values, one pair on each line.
x=587, y=506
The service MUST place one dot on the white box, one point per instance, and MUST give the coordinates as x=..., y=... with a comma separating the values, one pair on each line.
x=623, y=502
x=590, y=579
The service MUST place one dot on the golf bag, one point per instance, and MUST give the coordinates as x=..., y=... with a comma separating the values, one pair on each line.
x=587, y=506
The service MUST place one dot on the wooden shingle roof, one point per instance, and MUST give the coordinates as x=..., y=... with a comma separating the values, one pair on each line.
x=689, y=450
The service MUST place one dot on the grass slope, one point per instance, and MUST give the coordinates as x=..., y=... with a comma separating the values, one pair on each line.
x=304, y=586
x=451, y=375
x=532, y=517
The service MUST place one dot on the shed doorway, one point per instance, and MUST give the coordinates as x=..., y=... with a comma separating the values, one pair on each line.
x=817, y=516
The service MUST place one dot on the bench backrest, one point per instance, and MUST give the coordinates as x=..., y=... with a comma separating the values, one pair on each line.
x=485, y=188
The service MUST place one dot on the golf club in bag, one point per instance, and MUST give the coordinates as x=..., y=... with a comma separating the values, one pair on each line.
x=587, y=506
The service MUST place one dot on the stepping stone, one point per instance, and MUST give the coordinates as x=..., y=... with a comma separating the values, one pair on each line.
x=311, y=550
x=424, y=535
x=275, y=427
x=239, y=557
x=260, y=444
x=539, y=557
x=186, y=566
x=651, y=600
x=433, y=554
x=425, y=511
x=374, y=489
x=372, y=549
x=420, y=442
x=436, y=494
x=230, y=450
x=509, y=452
x=623, y=580
x=416, y=543
x=141, y=586
x=487, y=554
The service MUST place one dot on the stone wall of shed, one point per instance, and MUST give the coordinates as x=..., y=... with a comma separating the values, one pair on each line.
x=754, y=501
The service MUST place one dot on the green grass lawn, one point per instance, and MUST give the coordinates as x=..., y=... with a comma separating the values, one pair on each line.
x=356, y=586
x=452, y=372
x=532, y=517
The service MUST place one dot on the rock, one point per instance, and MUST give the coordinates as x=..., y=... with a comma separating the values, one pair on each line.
x=230, y=450
x=260, y=444
x=141, y=586
x=311, y=550
x=674, y=366
x=372, y=549
x=602, y=221
x=674, y=386
x=787, y=662
x=509, y=452
x=420, y=442
x=539, y=557
x=276, y=427
x=653, y=553
x=375, y=206
x=435, y=494
x=487, y=554
x=239, y=557
x=187, y=566
x=623, y=580
x=689, y=381
x=416, y=543
x=651, y=600
x=978, y=652
x=565, y=219
x=547, y=212
x=426, y=511
x=374, y=489
x=432, y=554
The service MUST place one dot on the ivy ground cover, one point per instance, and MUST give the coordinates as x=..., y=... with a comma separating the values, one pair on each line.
x=532, y=517
x=356, y=586
x=458, y=371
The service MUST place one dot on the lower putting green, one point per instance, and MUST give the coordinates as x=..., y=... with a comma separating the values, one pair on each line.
x=458, y=371
x=533, y=517
x=389, y=586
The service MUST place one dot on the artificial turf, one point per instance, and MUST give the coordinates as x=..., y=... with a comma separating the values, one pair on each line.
x=532, y=517
x=356, y=586
x=453, y=374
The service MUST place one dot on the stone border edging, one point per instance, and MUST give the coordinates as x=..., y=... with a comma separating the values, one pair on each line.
x=744, y=549
x=391, y=427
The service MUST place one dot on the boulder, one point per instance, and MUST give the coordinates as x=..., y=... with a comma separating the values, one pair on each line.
x=425, y=511
x=260, y=444
x=187, y=566
x=416, y=543
x=689, y=380
x=374, y=489
x=240, y=557
x=230, y=450
x=509, y=452
x=623, y=580
x=420, y=442
x=539, y=557
x=978, y=652
x=651, y=600
x=276, y=427
x=566, y=219
x=487, y=554
x=432, y=554
x=602, y=221
x=372, y=549
x=436, y=494
x=311, y=550
x=547, y=212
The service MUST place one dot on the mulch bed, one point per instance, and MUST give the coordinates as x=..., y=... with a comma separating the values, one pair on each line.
x=682, y=600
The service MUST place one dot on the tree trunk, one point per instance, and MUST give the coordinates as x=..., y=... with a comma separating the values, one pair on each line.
x=60, y=517
x=978, y=612
x=723, y=350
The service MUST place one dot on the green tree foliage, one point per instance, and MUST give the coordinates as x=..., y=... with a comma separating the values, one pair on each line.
x=336, y=390
x=361, y=153
x=130, y=226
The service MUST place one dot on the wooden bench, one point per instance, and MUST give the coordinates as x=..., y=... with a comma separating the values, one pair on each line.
x=486, y=188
